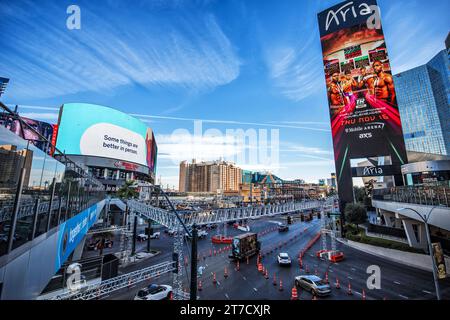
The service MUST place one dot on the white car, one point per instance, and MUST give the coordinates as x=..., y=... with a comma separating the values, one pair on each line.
x=142, y=237
x=202, y=234
x=154, y=292
x=284, y=259
x=155, y=235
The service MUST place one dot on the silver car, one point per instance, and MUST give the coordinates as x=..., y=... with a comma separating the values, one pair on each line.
x=314, y=284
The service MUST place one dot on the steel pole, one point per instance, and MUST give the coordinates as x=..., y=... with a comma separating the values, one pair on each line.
x=433, y=263
x=193, y=293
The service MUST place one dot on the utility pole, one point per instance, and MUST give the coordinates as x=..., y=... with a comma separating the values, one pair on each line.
x=133, y=250
x=193, y=293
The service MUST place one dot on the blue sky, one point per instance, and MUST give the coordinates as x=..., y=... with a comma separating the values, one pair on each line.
x=251, y=65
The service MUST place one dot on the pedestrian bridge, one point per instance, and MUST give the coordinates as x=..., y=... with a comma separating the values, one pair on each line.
x=168, y=218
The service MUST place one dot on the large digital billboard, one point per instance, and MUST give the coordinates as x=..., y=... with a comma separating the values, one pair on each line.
x=365, y=119
x=47, y=130
x=93, y=130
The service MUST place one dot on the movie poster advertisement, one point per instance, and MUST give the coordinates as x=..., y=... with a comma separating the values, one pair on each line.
x=47, y=130
x=365, y=119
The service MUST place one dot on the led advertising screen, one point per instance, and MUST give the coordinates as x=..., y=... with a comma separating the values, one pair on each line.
x=47, y=130
x=365, y=119
x=93, y=130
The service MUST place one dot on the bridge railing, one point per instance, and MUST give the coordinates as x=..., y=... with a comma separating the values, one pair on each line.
x=168, y=219
x=425, y=195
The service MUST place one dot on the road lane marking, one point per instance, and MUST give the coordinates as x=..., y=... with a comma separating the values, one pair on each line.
x=353, y=269
x=402, y=296
x=396, y=282
x=256, y=290
x=226, y=295
x=350, y=277
x=244, y=278
x=425, y=291
x=331, y=270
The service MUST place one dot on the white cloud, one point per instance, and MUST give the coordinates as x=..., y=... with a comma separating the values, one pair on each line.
x=295, y=72
x=44, y=59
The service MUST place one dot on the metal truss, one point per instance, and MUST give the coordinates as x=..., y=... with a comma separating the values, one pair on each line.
x=96, y=291
x=218, y=216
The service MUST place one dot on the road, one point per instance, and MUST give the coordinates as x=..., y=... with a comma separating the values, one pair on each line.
x=398, y=282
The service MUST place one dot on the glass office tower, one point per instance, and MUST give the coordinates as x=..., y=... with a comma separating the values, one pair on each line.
x=423, y=95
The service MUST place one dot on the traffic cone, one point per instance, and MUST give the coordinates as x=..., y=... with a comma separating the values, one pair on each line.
x=225, y=273
x=364, y=294
x=307, y=269
x=215, y=252
x=281, y=285
x=301, y=263
x=266, y=275
x=263, y=270
x=294, y=294
x=200, y=285
x=338, y=286
x=237, y=266
x=171, y=295
x=214, y=278
x=274, y=279
x=315, y=272
x=210, y=252
x=326, y=277
x=349, y=291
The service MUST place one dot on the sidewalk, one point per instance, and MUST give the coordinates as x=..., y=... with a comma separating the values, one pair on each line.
x=383, y=236
x=415, y=260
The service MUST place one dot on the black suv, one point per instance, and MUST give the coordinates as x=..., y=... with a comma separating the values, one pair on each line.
x=283, y=228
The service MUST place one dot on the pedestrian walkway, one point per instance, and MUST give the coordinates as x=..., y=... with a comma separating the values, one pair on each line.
x=383, y=236
x=420, y=261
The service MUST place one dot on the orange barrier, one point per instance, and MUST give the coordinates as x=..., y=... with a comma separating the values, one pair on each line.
x=294, y=294
x=221, y=239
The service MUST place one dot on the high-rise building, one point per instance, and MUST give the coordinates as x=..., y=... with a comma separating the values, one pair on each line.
x=12, y=161
x=423, y=95
x=209, y=176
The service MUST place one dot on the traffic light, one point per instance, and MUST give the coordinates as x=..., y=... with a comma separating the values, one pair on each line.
x=148, y=231
x=175, y=262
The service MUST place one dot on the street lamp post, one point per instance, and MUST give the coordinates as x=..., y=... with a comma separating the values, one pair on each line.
x=430, y=249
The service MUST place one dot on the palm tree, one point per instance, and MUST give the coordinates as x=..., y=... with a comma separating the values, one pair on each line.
x=128, y=191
